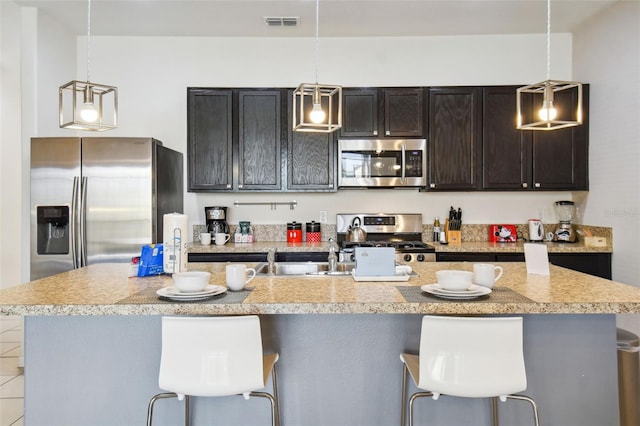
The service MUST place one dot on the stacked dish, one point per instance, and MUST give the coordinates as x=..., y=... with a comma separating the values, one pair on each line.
x=174, y=294
x=472, y=292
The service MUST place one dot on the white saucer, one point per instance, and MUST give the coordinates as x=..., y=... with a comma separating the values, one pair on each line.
x=435, y=290
x=175, y=294
x=473, y=289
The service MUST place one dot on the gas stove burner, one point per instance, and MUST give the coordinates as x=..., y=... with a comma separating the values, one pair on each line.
x=353, y=244
x=403, y=232
x=411, y=245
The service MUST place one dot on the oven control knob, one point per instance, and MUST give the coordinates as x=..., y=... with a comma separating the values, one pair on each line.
x=421, y=258
x=407, y=258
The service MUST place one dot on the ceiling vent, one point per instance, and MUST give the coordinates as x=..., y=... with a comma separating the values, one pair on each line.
x=283, y=21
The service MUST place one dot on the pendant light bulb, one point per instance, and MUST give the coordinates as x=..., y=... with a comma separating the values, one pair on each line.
x=548, y=111
x=317, y=115
x=88, y=113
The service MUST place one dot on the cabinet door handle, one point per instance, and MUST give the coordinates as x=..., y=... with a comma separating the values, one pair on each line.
x=388, y=133
x=537, y=185
x=228, y=185
x=525, y=185
x=240, y=186
x=375, y=133
x=432, y=185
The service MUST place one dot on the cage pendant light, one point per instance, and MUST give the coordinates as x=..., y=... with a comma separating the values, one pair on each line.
x=544, y=115
x=84, y=105
x=317, y=107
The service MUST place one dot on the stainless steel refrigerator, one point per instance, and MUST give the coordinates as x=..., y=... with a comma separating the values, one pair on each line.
x=99, y=199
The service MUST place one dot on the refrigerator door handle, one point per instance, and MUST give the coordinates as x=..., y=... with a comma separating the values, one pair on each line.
x=74, y=222
x=83, y=222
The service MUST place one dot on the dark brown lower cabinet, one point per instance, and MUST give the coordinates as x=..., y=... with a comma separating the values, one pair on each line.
x=598, y=264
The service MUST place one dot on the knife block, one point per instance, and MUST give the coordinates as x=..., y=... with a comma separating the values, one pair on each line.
x=454, y=237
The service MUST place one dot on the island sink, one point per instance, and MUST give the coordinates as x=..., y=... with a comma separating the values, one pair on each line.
x=303, y=268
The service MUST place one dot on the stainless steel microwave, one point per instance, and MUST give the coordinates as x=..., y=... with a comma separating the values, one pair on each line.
x=375, y=163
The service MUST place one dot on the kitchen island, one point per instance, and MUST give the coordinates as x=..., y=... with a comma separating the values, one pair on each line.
x=93, y=343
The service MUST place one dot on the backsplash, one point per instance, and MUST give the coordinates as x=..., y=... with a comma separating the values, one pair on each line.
x=470, y=233
x=270, y=232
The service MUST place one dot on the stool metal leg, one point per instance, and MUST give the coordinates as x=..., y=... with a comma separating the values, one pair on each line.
x=187, y=411
x=153, y=401
x=413, y=398
x=273, y=404
x=530, y=401
x=403, y=415
x=494, y=411
x=274, y=382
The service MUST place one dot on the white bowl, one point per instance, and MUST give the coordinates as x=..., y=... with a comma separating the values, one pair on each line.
x=192, y=281
x=450, y=279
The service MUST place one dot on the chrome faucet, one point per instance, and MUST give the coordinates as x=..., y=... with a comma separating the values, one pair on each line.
x=271, y=260
x=333, y=258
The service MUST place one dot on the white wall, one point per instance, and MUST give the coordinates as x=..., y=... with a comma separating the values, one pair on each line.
x=607, y=54
x=10, y=146
x=152, y=75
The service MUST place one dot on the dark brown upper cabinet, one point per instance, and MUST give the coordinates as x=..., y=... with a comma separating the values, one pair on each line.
x=380, y=113
x=506, y=151
x=241, y=140
x=454, y=143
x=561, y=157
x=532, y=160
x=210, y=140
x=259, y=140
x=310, y=158
x=234, y=139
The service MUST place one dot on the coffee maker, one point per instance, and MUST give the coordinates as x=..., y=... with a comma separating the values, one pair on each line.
x=566, y=213
x=216, y=220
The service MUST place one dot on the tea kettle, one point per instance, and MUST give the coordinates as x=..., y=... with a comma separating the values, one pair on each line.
x=355, y=233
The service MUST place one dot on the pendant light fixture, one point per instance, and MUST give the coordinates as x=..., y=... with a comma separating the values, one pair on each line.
x=85, y=105
x=317, y=107
x=544, y=115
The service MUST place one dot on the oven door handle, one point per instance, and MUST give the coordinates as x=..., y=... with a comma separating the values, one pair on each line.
x=403, y=179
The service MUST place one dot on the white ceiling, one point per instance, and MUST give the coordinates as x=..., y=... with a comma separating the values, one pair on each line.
x=337, y=17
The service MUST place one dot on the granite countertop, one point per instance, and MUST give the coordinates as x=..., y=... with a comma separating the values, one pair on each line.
x=465, y=246
x=104, y=289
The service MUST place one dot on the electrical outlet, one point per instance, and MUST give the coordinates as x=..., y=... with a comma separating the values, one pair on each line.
x=323, y=216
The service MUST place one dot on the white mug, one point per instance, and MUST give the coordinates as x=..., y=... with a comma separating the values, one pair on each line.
x=205, y=238
x=484, y=274
x=237, y=276
x=221, y=238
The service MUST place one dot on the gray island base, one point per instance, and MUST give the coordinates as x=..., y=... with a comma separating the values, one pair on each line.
x=334, y=370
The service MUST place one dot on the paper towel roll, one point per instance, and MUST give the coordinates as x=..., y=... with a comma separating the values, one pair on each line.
x=175, y=240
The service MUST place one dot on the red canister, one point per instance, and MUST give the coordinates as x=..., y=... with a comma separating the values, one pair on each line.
x=294, y=232
x=313, y=234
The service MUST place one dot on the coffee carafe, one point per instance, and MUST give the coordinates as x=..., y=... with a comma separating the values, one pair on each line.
x=566, y=213
x=216, y=220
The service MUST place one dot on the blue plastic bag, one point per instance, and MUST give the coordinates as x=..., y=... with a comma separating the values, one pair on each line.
x=151, y=260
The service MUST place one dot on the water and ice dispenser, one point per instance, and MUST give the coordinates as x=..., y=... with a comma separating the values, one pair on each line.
x=53, y=230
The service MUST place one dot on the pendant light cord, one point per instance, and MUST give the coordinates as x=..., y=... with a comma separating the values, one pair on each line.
x=317, y=38
x=548, y=39
x=88, y=39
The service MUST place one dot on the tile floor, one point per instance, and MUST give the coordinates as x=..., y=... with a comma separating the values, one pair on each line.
x=11, y=375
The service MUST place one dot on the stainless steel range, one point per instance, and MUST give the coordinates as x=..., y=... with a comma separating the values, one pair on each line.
x=402, y=231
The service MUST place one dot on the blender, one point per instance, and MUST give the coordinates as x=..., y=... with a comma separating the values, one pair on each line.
x=566, y=213
x=216, y=220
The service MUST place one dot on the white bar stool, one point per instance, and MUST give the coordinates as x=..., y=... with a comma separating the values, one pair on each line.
x=214, y=356
x=451, y=348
